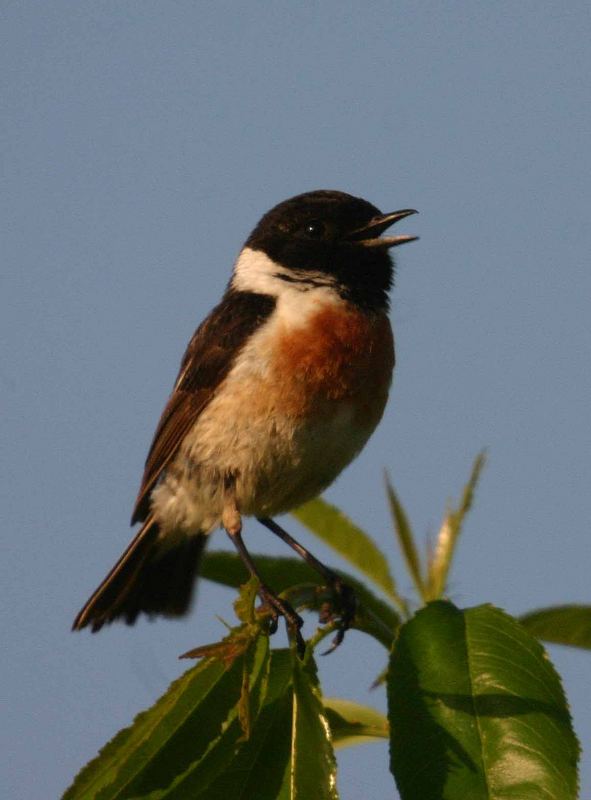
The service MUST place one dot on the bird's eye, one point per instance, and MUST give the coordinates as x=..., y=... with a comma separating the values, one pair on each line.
x=315, y=229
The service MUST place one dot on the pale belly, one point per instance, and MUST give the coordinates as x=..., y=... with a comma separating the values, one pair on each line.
x=277, y=462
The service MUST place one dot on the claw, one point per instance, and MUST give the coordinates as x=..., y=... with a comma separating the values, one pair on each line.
x=273, y=624
x=293, y=621
x=348, y=607
x=335, y=642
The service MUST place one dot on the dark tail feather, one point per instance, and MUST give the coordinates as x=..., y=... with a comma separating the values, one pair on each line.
x=147, y=578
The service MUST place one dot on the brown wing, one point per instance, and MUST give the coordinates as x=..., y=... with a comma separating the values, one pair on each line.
x=207, y=360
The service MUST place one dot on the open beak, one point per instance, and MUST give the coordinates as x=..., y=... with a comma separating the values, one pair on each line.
x=370, y=234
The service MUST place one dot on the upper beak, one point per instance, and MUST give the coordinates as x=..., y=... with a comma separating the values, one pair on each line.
x=369, y=235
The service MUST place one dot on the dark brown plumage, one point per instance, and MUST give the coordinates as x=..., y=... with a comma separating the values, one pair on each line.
x=147, y=578
x=207, y=360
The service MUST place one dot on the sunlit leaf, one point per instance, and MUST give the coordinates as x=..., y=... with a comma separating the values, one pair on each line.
x=289, y=754
x=244, y=603
x=477, y=711
x=188, y=735
x=449, y=532
x=312, y=771
x=261, y=766
x=405, y=538
x=352, y=723
x=569, y=624
x=233, y=733
x=349, y=541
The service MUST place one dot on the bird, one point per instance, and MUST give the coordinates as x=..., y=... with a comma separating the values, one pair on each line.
x=278, y=391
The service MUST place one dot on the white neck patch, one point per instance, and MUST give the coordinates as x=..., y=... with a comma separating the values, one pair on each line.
x=254, y=271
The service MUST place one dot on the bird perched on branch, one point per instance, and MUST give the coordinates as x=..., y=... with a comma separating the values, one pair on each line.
x=279, y=389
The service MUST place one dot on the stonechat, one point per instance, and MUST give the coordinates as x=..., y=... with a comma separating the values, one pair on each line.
x=279, y=389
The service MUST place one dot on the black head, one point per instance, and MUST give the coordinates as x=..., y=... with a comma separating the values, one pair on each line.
x=333, y=237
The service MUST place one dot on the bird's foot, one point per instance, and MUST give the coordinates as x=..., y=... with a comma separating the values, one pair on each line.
x=345, y=606
x=293, y=621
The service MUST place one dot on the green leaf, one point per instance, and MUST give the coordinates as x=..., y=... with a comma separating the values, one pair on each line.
x=298, y=582
x=477, y=711
x=352, y=723
x=312, y=771
x=569, y=624
x=349, y=541
x=289, y=754
x=235, y=731
x=260, y=766
x=441, y=559
x=244, y=604
x=405, y=538
x=188, y=734
x=279, y=573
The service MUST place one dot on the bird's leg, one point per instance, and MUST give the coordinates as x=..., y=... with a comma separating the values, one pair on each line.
x=232, y=523
x=345, y=594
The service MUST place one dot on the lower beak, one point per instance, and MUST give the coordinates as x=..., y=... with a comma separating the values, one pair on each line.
x=370, y=234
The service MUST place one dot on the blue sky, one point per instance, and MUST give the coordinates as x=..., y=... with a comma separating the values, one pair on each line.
x=141, y=143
